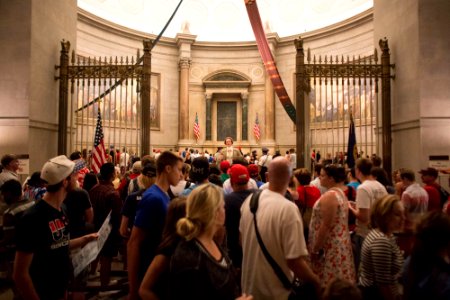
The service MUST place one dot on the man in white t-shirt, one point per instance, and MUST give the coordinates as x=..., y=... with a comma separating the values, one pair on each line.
x=415, y=200
x=293, y=158
x=263, y=163
x=281, y=229
x=367, y=193
x=123, y=162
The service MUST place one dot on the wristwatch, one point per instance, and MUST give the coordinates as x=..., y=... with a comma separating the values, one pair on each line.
x=320, y=252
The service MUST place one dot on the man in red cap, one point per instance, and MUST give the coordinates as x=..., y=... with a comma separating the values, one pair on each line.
x=239, y=177
x=253, y=170
x=434, y=190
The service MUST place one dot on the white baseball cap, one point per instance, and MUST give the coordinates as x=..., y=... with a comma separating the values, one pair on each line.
x=57, y=169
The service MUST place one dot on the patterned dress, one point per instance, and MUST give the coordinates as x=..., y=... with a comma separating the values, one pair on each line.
x=337, y=261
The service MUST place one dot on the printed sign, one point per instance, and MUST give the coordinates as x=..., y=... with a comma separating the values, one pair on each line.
x=89, y=252
x=24, y=164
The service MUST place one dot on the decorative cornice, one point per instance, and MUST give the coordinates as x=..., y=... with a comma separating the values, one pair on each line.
x=185, y=38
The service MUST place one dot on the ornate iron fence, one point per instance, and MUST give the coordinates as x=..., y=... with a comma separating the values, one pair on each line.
x=123, y=88
x=331, y=88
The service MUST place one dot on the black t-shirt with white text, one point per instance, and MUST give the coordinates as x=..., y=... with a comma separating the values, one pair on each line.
x=43, y=231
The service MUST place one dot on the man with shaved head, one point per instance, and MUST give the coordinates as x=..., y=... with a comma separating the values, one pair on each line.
x=281, y=229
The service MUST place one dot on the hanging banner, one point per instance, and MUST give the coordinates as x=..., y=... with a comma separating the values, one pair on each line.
x=266, y=55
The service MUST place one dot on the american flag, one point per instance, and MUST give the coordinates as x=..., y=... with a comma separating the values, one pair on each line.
x=256, y=129
x=196, y=127
x=99, y=152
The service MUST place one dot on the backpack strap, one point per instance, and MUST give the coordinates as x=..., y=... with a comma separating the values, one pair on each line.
x=188, y=184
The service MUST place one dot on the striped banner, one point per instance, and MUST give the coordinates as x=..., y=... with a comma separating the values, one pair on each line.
x=196, y=127
x=256, y=129
x=266, y=55
x=98, y=152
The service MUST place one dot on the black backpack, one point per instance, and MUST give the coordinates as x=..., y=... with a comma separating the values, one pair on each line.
x=443, y=194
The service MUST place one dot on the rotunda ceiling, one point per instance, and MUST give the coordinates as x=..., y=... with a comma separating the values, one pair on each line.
x=224, y=20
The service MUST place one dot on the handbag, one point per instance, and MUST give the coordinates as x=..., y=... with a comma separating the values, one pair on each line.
x=299, y=289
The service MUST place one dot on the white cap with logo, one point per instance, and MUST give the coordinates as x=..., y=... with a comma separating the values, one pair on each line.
x=57, y=169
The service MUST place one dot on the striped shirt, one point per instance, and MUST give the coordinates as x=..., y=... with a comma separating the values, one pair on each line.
x=381, y=261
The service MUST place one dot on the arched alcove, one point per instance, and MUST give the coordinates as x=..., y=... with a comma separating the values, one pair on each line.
x=226, y=94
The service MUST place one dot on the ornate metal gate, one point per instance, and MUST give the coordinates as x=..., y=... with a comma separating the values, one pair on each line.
x=120, y=87
x=329, y=90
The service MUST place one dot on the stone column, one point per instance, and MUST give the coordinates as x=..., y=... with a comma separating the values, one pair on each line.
x=184, y=42
x=184, y=65
x=269, y=117
x=208, y=97
x=244, y=133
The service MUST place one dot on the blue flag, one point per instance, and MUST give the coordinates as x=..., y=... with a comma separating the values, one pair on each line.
x=352, y=150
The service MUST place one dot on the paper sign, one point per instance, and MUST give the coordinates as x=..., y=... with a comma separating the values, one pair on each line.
x=89, y=252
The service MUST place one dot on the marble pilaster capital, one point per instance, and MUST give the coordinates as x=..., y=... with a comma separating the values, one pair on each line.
x=208, y=96
x=184, y=63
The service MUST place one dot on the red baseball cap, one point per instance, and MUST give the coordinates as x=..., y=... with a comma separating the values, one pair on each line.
x=253, y=170
x=224, y=165
x=239, y=174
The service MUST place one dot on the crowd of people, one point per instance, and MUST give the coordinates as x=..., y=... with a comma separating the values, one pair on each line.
x=191, y=225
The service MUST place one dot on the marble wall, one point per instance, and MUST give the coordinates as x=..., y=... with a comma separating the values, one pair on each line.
x=30, y=35
x=417, y=31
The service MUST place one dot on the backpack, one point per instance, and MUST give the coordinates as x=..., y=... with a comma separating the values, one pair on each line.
x=351, y=215
x=442, y=193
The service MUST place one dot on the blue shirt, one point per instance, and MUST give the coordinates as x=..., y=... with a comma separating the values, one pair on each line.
x=150, y=216
x=354, y=184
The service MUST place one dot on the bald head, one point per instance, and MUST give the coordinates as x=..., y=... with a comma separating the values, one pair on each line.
x=279, y=174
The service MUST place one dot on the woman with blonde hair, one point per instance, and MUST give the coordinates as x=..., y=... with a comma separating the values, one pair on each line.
x=199, y=268
x=381, y=258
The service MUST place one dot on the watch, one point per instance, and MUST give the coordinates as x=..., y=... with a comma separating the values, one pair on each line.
x=320, y=252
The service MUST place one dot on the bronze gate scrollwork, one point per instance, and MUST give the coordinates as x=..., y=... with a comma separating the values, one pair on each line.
x=331, y=88
x=121, y=87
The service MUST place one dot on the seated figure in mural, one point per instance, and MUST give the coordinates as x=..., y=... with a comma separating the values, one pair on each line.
x=229, y=152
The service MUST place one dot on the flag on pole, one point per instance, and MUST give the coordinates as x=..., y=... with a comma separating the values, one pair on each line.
x=256, y=129
x=352, y=150
x=196, y=127
x=99, y=152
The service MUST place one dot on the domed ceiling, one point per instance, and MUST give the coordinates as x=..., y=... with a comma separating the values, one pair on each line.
x=224, y=20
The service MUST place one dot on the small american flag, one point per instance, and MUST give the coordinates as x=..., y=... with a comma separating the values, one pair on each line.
x=99, y=152
x=196, y=127
x=256, y=129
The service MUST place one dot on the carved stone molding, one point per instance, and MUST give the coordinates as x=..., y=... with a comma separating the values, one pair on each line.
x=184, y=63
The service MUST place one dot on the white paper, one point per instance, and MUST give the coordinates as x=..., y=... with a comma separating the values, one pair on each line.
x=89, y=252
